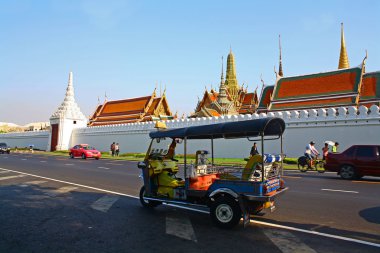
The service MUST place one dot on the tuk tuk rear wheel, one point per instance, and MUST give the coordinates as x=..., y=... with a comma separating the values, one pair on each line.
x=147, y=203
x=225, y=212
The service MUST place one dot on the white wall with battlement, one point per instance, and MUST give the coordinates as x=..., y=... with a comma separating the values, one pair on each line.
x=347, y=126
x=21, y=140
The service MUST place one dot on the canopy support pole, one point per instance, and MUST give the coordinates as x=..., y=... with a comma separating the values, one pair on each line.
x=184, y=156
x=212, y=151
x=282, y=158
x=262, y=156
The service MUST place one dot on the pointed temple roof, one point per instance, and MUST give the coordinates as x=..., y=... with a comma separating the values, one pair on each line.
x=132, y=110
x=69, y=109
x=343, y=58
x=231, y=99
x=280, y=73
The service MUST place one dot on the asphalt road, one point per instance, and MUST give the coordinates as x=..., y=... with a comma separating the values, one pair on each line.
x=57, y=204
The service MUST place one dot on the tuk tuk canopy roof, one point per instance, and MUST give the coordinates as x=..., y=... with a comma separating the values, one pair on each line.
x=239, y=129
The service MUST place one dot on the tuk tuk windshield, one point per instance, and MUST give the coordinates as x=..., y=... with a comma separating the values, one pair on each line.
x=163, y=147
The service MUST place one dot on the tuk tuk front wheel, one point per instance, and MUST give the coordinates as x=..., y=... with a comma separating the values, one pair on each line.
x=225, y=212
x=147, y=203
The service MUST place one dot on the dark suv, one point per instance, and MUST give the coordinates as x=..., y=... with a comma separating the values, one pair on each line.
x=355, y=162
x=4, y=148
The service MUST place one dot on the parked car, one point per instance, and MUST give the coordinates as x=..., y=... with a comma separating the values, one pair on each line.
x=85, y=151
x=355, y=162
x=4, y=148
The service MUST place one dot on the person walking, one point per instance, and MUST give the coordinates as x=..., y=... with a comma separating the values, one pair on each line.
x=113, y=149
x=117, y=149
x=325, y=151
x=335, y=147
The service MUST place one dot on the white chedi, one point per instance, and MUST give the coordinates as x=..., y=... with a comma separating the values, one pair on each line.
x=69, y=109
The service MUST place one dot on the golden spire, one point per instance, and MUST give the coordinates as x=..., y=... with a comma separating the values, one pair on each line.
x=280, y=73
x=343, y=58
x=222, y=75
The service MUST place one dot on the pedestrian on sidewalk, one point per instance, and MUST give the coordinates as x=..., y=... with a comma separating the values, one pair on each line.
x=117, y=149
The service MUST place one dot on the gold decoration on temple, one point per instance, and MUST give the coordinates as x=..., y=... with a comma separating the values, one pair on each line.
x=343, y=58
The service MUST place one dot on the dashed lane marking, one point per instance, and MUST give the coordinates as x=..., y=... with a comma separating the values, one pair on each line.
x=104, y=203
x=103, y=168
x=62, y=190
x=5, y=157
x=332, y=190
x=287, y=242
x=60, y=159
x=115, y=164
x=69, y=164
x=10, y=177
x=180, y=226
x=4, y=171
x=24, y=159
x=43, y=161
x=206, y=212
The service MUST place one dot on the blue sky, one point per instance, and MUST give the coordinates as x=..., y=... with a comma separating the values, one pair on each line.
x=126, y=48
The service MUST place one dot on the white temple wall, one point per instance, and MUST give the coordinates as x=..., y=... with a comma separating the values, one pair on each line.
x=347, y=126
x=21, y=140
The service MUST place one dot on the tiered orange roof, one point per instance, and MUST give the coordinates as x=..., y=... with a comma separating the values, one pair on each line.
x=265, y=99
x=370, y=92
x=132, y=110
x=329, y=89
x=249, y=103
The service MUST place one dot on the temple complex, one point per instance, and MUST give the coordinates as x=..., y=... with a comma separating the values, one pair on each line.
x=343, y=87
x=231, y=99
x=140, y=109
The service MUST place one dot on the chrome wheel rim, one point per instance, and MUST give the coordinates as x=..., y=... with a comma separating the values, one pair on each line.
x=224, y=213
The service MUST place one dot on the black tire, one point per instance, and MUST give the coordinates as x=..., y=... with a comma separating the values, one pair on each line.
x=71, y=155
x=84, y=156
x=225, y=212
x=147, y=203
x=347, y=172
x=302, y=164
x=8, y=151
x=97, y=158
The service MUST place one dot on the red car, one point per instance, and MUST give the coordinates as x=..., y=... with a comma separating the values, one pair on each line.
x=85, y=151
x=355, y=162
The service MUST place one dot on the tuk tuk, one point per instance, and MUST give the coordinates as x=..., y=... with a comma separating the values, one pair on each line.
x=230, y=192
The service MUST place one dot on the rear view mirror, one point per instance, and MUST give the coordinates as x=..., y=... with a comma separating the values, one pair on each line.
x=141, y=165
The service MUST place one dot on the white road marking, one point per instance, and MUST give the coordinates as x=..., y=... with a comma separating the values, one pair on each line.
x=43, y=161
x=69, y=164
x=104, y=203
x=62, y=190
x=180, y=226
x=5, y=157
x=287, y=242
x=80, y=185
x=10, y=177
x=23, y=159
x=332, y=190
x=36, y=182
x=202, y=211
x=316, y=233
x=103, y=168
x=3, y=171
